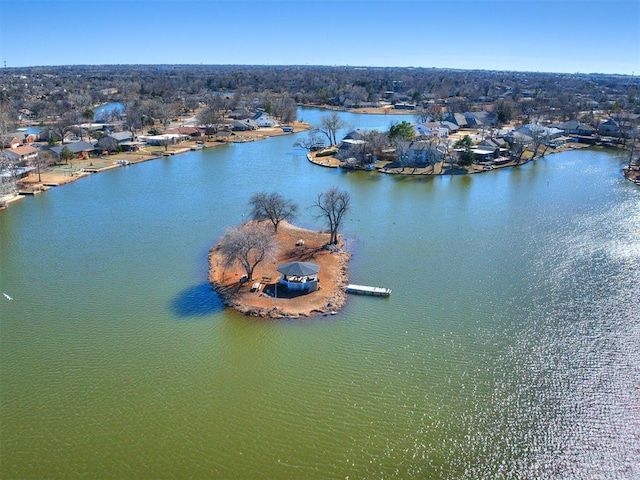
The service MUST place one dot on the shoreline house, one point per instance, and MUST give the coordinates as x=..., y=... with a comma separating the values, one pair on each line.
x=160, y=140
x=264, y=120
x=185, y=132
x=299, y=276
x=24, y=153
x=620, y=125
x=80, y=149
x=244, y=125
x=574, y=127
x=420, y=153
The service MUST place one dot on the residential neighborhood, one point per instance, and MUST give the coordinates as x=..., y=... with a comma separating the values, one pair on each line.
x=458, y=128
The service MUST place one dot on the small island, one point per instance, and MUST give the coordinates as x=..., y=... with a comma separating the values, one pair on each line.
x=263, y=296
x=268, y=267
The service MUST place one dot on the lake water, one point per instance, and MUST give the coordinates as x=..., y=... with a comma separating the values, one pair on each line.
x=508, y=349
x=103, y=112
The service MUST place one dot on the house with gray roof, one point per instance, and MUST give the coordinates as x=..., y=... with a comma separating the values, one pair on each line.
x=457, y=119
x=80, y=148
x=574, y=127
x=264, y=120
x=244, y=125
x=121, y=137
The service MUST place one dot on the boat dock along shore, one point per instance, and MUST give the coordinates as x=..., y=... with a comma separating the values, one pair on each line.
x=365, y=290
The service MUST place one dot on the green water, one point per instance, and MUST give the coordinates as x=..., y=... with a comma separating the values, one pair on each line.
x=509, y=348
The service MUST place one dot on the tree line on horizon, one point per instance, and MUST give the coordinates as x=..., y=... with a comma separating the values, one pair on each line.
x=164, y=92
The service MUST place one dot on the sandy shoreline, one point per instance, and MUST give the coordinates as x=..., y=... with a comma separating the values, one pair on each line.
x=333, y=278
x=80, y=168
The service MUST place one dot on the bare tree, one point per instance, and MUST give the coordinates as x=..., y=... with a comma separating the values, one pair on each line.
x=273, y=207
x=166, y=112
x=284, y=108
x=66, y=124
x=519, y=145
x=137, y=117
x=333, y=205
x=212, y=115
x=248, y=246
x=367, y=150
x=329, y=125
x=540, y=137
x=41, y=162
x=313, y=141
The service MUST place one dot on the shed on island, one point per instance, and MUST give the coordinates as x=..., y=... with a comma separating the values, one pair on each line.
x=299, y=276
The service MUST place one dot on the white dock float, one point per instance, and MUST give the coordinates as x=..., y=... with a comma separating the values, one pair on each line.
x=364, y=290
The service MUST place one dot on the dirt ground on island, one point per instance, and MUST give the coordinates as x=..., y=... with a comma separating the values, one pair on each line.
x=262, y=301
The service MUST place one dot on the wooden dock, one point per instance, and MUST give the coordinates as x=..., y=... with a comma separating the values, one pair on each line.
x=364, y=290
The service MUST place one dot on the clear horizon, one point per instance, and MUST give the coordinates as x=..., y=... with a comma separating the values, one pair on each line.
x=567, y=36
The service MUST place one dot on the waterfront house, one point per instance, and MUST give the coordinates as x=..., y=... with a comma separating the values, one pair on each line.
x=160, y=140
x=244, y=125
x=610, y=128
x=186, y=132
x=421, y=152
x=25, y=153
x=81, y=149
x=264, y=120
x=574, y=127
x=122, y=137
x=620, y=125
x=299, y=276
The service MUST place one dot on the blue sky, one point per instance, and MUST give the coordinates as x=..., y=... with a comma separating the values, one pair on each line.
x=526, y=35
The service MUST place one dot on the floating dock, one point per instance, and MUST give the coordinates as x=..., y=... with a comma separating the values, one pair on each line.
x=364, y=290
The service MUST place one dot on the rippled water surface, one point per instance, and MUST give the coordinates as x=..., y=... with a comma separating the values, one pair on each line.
x=509, y=348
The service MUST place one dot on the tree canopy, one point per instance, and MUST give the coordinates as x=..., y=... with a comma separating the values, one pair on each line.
x=401, y=131
x=333, y=205
x=66, y=154
x=330, y=124
x=248, y=245
x=273, y=207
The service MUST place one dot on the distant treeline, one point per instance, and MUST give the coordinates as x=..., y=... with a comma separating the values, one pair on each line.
x=40, y=92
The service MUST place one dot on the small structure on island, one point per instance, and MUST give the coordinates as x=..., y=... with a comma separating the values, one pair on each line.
x=300, y=276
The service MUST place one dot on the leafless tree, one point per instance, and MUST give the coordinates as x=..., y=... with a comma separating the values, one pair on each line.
x=313, y=141
x=41, y=162
x=357, y=95
x=137, y=116
x=333, y=205
x=284, y=108
x=212, y=115
x=519, y=146
x=330, y=124
x=247, y=245
x=367, y=150
x=165, y=112
x=540, y=137
x=66, y=124
x=273, y=207
x=401, y=147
